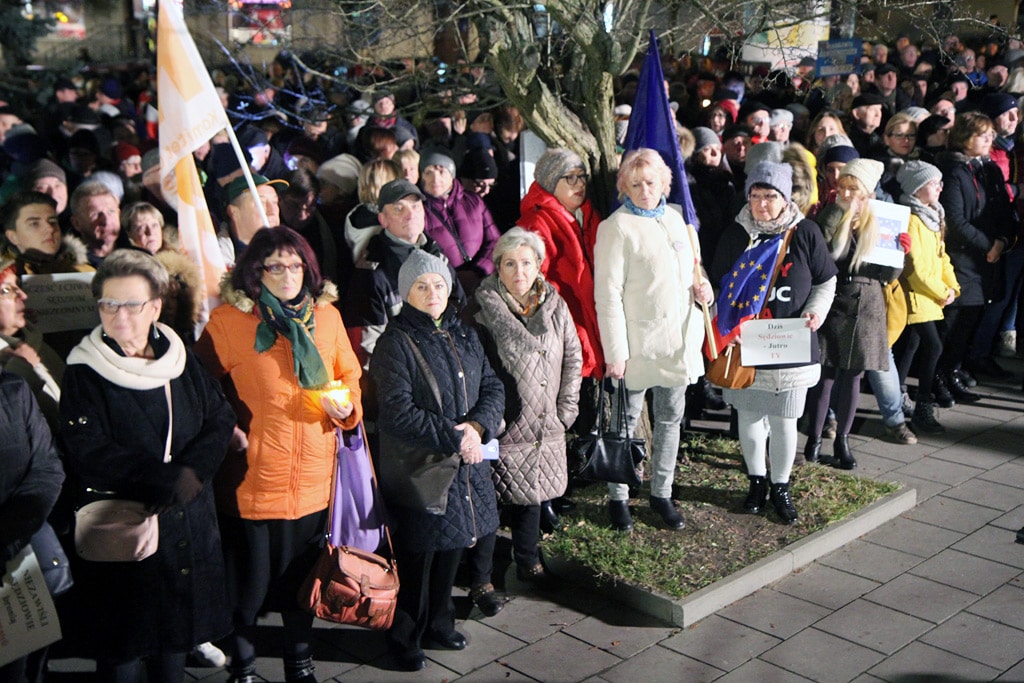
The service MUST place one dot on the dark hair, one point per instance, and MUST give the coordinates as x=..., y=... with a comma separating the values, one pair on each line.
x=248, y=271
x=966, y=126
x=18, y=201
x=300, y=183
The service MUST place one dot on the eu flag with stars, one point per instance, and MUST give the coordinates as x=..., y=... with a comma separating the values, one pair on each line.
x=745, y=288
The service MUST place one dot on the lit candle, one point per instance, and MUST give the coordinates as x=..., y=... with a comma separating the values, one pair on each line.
x=337, y=393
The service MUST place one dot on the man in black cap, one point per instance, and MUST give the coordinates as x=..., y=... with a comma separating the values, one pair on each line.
x=735, y=143
x=243, y=217
x=887, y=81
x=867, y=117
x=374, y=297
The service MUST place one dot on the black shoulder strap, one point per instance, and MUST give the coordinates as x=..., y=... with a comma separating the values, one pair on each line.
x=425, y=368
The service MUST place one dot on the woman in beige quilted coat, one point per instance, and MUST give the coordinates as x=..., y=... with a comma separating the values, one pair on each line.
x=532, y=344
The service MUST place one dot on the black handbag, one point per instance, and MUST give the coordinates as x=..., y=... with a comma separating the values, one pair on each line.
x=53, y=561
x=610, y=454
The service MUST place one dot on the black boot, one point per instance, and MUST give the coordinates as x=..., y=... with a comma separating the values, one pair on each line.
x=618, y=510
x=299, y=670
x=757, y=496
x=549, y=520
x=924, y=421
x=959, y=390
x=783, y=503
x=242, y=672
x=841, y=455
x=669, y=514
x=812, y=449
x=563, y=505
x=943, y=398
x=712, y=396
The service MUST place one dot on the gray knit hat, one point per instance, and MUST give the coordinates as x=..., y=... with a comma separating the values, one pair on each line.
x=780, y=116
x=867, y=171
x=705, y=137
x=913, y=175
x=554, y=164
x=775, y=175
x=418, y=264
x=437, y=159
x=769, y=150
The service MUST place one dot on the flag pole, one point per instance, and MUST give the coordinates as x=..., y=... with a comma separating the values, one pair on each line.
x=243, y=161
x=709, y=331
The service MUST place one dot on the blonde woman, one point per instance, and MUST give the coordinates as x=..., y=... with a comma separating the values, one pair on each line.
x=853, y=338
x=361, y=223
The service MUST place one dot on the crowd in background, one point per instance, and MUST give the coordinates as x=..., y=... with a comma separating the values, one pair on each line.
x=399, y=259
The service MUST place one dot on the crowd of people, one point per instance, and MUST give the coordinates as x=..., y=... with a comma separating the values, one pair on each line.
x=398, y=260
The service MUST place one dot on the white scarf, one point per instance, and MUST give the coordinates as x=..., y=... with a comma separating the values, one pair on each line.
x=129, y=372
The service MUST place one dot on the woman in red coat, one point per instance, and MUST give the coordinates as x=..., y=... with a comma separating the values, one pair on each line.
x=556, y=208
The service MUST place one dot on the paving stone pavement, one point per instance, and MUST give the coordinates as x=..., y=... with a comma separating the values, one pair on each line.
x=934, y=595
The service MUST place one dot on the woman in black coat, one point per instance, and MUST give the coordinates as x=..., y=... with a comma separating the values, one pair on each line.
x=979, y=226
x=115, y=418
x=30, y=480
x=438, y=397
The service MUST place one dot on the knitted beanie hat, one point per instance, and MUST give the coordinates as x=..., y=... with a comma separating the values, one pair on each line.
x=437, y=159
x=418, y=264
x=776, y=175
x=769, y=150
x=705, y=137
x=867, y=171
x=554, y=164
x=843, y=154
x=913, y=175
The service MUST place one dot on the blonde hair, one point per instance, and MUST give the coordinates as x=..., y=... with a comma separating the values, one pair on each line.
x=863, y=222
x=373, y=176
x=634, y=163
x=901, y=119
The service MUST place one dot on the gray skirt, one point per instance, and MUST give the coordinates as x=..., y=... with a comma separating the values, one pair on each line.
x=787, y=403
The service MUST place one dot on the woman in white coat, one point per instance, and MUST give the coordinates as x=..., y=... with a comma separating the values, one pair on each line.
x=648, y=284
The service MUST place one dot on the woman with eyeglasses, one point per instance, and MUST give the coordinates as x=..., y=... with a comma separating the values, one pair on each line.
x=280, y=343
x=142, y=420
x=557, y=209
x=979, y=227
x=900, y=147
x=804, y=289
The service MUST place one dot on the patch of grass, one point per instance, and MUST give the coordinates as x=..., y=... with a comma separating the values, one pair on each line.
x=719, y=538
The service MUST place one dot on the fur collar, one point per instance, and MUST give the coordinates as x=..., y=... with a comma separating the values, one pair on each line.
x=244, y=303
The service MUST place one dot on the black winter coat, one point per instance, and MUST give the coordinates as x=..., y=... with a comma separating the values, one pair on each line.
x=977, y=212
x=30, y=469
x=470, y=391
x=115, y=439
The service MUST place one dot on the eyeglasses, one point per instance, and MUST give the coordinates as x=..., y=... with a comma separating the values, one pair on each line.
x=573, y=180
x=112, y=306
x=764, y=198
x=10, y=291
x=279, y=268
x=902, y=136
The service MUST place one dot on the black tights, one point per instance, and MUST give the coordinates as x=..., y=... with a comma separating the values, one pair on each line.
x=923, y=341
x=163, y=668
x=844, y=387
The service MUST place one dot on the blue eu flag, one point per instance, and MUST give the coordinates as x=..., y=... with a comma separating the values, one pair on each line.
x=744, y=289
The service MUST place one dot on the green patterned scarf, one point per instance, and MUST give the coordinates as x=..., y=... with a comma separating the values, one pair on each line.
x=296, y=323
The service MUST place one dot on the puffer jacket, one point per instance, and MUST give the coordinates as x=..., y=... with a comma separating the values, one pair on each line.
x=462, y=226
x=538, y=360
x=569, y=264
x=287, y=470
x=929, y=274
x=470, y=392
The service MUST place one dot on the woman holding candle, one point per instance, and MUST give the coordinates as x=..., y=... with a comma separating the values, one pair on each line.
x=282, y=344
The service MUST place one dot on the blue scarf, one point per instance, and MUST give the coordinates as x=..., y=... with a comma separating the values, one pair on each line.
x=656, y=212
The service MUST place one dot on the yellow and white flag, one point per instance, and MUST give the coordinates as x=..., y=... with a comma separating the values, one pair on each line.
x=190, y=114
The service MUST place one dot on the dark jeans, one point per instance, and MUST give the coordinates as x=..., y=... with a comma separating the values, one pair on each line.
x=525, y=523
x=425, y=600
x=920, y=340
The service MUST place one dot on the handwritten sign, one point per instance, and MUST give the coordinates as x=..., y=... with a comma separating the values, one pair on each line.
x=63, y=301
x=893, y=219
x=775, y=342
x=28, y=619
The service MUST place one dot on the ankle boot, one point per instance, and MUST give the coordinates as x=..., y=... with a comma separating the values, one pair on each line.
x=841, y=455
x=669, y=514
x=924, y=421
x=783, y=503
x=549, y=520
x=757, y=496
x=243, y=672
x=618, y=510
x=812, y=449
x=959, y=389
x=943, y=398
x=299, y=670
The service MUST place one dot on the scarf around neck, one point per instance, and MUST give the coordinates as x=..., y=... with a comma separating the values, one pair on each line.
x=295, y=322
x=790, y=216
x=933, y=217
x=537, y=294
x=656, y=212
x=128, y=371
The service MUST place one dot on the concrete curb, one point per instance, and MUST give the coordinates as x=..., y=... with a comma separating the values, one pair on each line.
x=705, y=602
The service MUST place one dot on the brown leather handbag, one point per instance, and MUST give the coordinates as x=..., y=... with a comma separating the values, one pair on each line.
x=352, y=586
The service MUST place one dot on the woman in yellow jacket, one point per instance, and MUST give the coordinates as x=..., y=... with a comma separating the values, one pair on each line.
x=930, y=285
x=281, y=342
